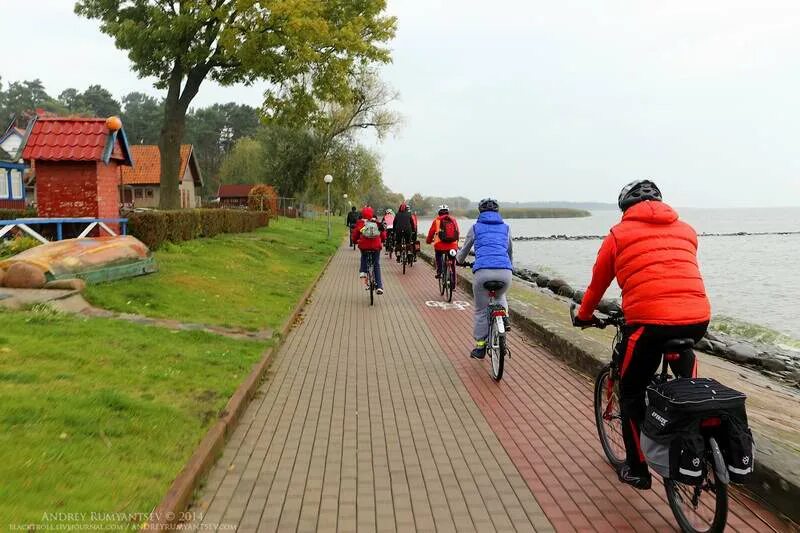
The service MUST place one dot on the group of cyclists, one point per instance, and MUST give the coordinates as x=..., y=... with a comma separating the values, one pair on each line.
x=651, y=253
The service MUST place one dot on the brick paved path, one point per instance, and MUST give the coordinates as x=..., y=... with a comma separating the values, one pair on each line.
x=392, y=427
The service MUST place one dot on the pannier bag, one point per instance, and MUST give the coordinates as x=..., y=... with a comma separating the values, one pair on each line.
x=672, y=426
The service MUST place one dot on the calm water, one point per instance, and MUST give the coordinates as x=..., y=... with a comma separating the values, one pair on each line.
x=755, y=279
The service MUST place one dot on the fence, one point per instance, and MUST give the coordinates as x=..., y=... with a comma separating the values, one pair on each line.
x=100, y=224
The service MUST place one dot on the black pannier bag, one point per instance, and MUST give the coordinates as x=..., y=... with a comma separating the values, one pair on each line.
x=672, y=428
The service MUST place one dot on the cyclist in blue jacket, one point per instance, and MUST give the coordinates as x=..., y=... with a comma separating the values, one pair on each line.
x=491, y=238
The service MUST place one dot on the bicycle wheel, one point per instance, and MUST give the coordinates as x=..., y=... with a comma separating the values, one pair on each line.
x=496, y=348
x=371, y=281
x=442, y=283
x=702, y=508
x=451, y=282
x=607, y=417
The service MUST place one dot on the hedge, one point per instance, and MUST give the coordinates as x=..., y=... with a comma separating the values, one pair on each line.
x=154, y=228
x=11, y=214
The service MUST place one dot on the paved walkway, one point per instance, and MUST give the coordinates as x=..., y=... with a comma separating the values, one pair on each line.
x=375, y=419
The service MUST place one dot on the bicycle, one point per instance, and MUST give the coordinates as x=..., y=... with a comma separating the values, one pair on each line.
x=350, y=236
x=496, y=342
x=447, y=275
x=693, y=516
x=371, y=277
x=389, y=244
x=405, y=259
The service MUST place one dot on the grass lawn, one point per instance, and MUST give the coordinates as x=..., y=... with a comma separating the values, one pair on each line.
x=100, y=415
x=247, y=280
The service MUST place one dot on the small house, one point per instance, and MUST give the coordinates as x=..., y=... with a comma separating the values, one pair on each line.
x=77, y=162
x=234, y=195
x=141, y=184
x=12, y=187
x=12, y=139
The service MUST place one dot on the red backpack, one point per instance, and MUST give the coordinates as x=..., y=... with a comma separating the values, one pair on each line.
x=448, y=229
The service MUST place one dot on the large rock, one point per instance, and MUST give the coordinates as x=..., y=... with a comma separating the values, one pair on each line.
x=578, y=296
x=74, y=284
x=542, y=281
x=24, y=276
x=566, y=291
x=2, y=275
x=741, y=352
x=704, y=345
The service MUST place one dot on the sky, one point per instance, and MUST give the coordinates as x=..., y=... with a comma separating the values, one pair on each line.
x=531, y=100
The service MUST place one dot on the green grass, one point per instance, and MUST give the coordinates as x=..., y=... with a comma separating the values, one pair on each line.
x=247, y=280
x=100, y=415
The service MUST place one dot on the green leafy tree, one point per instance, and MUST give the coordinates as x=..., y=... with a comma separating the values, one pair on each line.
x=95, y=101
x=290, y=155
x=141, y=118
x=245, y=163
x=305, y=49
x=22, y=99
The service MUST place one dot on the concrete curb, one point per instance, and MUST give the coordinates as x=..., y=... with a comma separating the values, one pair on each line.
x=767, y=482
x=167, y=514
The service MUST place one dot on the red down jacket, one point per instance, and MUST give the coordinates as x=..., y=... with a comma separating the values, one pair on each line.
x=653, y=255
x=374, y=244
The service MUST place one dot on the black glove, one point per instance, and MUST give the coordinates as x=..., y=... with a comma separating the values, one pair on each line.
x=578, y=323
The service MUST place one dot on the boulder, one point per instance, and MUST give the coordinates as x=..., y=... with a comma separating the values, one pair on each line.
x=24, y=276
x=556, y=284
x=542, y=281
x=578, y=296
x=774, y=364
x=741, y=352
x=608, y=306
x=74, y=284
x=704, y=345
x=566, y=291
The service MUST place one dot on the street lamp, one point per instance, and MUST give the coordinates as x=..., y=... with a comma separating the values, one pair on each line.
x=328, y=180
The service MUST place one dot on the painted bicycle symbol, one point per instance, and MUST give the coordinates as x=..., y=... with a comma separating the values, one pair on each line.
x=457, y=305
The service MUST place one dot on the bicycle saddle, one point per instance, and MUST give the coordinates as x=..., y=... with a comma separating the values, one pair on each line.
x=677, y=345
x=493, y=286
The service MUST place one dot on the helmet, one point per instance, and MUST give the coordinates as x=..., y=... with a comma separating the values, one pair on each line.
x=638, y=191
x=403, y=207
x=443, y=209
x=488, y=204
x=367, y=212
x=389, y=212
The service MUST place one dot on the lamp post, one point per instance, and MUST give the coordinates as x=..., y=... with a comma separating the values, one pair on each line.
x=328, y=179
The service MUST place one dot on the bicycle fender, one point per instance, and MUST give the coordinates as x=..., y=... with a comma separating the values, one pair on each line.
x=719, y=462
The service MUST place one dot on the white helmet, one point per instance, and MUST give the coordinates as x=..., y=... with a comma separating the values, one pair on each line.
x=444, y=208
x=389, y=212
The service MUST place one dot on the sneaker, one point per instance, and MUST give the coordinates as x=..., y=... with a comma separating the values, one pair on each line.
x=478, y=353
x=639, y=481
x=438, y=275
x=506, y=323
x=362, y=275
x=379, y=291
x=398, y=258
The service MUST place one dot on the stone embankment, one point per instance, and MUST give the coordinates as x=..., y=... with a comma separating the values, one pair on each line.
x=562, y=237
x=773, y=361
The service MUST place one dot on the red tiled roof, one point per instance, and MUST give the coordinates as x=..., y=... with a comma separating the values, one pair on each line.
x=234, y=191
x=147, y=165
x=72, y=139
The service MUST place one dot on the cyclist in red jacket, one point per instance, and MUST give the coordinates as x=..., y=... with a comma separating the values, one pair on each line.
x=444, y=235
x=369, y=235
x=653, y=255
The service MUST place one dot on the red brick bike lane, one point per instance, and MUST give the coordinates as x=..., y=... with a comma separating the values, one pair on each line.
x=542, y=413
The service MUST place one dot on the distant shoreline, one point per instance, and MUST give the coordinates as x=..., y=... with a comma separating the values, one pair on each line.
x=536, y=212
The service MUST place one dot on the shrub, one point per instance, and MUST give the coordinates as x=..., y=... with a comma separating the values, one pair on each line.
x=263, y=198
x=18, y=244
x=11, y=214
x=155, y=228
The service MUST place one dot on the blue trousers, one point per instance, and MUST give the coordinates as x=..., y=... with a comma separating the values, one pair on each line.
x=376, y=260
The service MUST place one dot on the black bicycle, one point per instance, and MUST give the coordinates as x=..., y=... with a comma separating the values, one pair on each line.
x=389, y=244
x=447, y=275
x=350, y=234
x=405, y=254
x=371, y=277
x=698, y=508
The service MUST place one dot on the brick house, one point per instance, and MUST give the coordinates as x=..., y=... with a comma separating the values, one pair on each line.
x=77, y=162
x=141, y=184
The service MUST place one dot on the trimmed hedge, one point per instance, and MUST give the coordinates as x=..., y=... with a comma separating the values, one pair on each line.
x=11, y=214
x=154, y=228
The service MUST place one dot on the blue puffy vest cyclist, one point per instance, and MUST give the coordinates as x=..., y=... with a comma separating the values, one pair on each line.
x=491, y=238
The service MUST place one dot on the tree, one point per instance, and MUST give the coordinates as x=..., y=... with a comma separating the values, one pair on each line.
x=95, y=101
x=245, y=163
x=22, y=99
x=142, y=118
x=289, y=157
x=304, y=48
x=421, y=204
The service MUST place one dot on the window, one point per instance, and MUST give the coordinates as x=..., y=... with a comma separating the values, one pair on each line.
x=4, y=184
x=138, y=193
x=17, y=190
x=149, y=193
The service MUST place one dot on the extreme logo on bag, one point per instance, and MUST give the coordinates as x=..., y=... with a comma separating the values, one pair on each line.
x=371, y=229
x=663, y=421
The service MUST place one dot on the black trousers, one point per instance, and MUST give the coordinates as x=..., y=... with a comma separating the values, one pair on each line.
x=639, y=356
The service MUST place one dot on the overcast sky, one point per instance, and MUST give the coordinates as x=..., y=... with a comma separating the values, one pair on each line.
x=533, y=100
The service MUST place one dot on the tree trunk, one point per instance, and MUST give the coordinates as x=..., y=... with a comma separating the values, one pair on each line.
x=169, y=145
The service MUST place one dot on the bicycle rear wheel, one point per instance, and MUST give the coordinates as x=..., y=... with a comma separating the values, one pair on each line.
x=451, y=281
x=702, y=508
x=371, y=281
x=442, y=283
x=608, y=418
x=496, y=348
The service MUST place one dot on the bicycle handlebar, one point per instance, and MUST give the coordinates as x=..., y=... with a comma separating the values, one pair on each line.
x=600, y=321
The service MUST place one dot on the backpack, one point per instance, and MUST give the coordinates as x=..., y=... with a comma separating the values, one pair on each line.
x=448, y=230
x=371, y=229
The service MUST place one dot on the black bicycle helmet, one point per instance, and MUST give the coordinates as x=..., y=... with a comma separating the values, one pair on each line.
x=638, y=191
x=488, y=204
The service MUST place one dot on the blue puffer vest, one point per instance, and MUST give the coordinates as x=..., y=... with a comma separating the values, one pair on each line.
x=491, y=242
